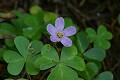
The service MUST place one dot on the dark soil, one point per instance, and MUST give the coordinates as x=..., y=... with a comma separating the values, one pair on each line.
x=84, y=13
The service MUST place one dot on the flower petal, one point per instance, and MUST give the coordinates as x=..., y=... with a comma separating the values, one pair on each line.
x=70, y=31
x=51, y=29
x=54, y=38
x=66, y=41
x=59, y=23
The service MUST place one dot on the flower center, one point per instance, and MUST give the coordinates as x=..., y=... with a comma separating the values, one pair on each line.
x=60, y=34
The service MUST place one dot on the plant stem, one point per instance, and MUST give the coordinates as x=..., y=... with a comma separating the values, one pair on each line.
x=28, y=77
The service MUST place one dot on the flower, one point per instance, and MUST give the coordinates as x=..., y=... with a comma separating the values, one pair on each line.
x=58, y=34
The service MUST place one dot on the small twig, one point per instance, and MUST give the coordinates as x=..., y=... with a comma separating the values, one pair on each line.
x=116, y=65
x=77, y=12
x=82, y=2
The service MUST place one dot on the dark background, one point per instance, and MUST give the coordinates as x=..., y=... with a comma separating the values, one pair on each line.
x=84, y=13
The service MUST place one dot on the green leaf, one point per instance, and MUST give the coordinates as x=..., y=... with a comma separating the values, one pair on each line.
x=35, y=9
x=31, y=21
x=102, y=37
x=4, y=32
x=99, y=64
x=38, y=13
x=20, y=22
x=60, y=73
x=90, y=71
x=49, y=52
x=106, y=35
x=107, y=75
x=68, y=22
x=30, y=68
x=68, y=53
x=49, y=16
x=76, y=63
x=80, y=79
x=102, y=43
x=21, y=44
x=16, y=62
x=101, y=30
x=32, y=33
x=37, y=35
x=103, y=33
x=100, y=40
x=37, y=46
x=9, y=42
x=18, y=25
x=44, y=63
x=84, y=74
x=15, y=67
x=91, y=34
x=8, y=79
x=12, y=56
x=29, y=32
x=17, y=13
x=82, y=41
x=8, y=27
x=95, y=54
x=2, y=50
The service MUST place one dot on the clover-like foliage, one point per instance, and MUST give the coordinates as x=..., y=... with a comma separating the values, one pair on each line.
x=100, y=38
x=68, y=60
x=28, y=52
x=79, y=58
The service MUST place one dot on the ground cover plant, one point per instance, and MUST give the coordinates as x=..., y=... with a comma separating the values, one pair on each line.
x=41, y=41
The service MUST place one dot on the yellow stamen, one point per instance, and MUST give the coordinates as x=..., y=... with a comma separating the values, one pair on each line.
x=60, y=34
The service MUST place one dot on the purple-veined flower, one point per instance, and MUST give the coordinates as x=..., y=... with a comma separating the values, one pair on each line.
x=59, y=34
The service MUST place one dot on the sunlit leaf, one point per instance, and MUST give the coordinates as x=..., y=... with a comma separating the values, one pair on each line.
x=30, y=68
x=82, y=41
x=21, y=44
x=12, y=56
x=15, y=67
x=37, y=46
x=91, y=33
x=102, y=43
x=43, y=63
x=107, y=75
x=90, y=71
x=9, y=42
x=95, y=54
x=76, y=63
x=62, y=72
x=49, y=52
x=68, y=53
x=49, y=16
